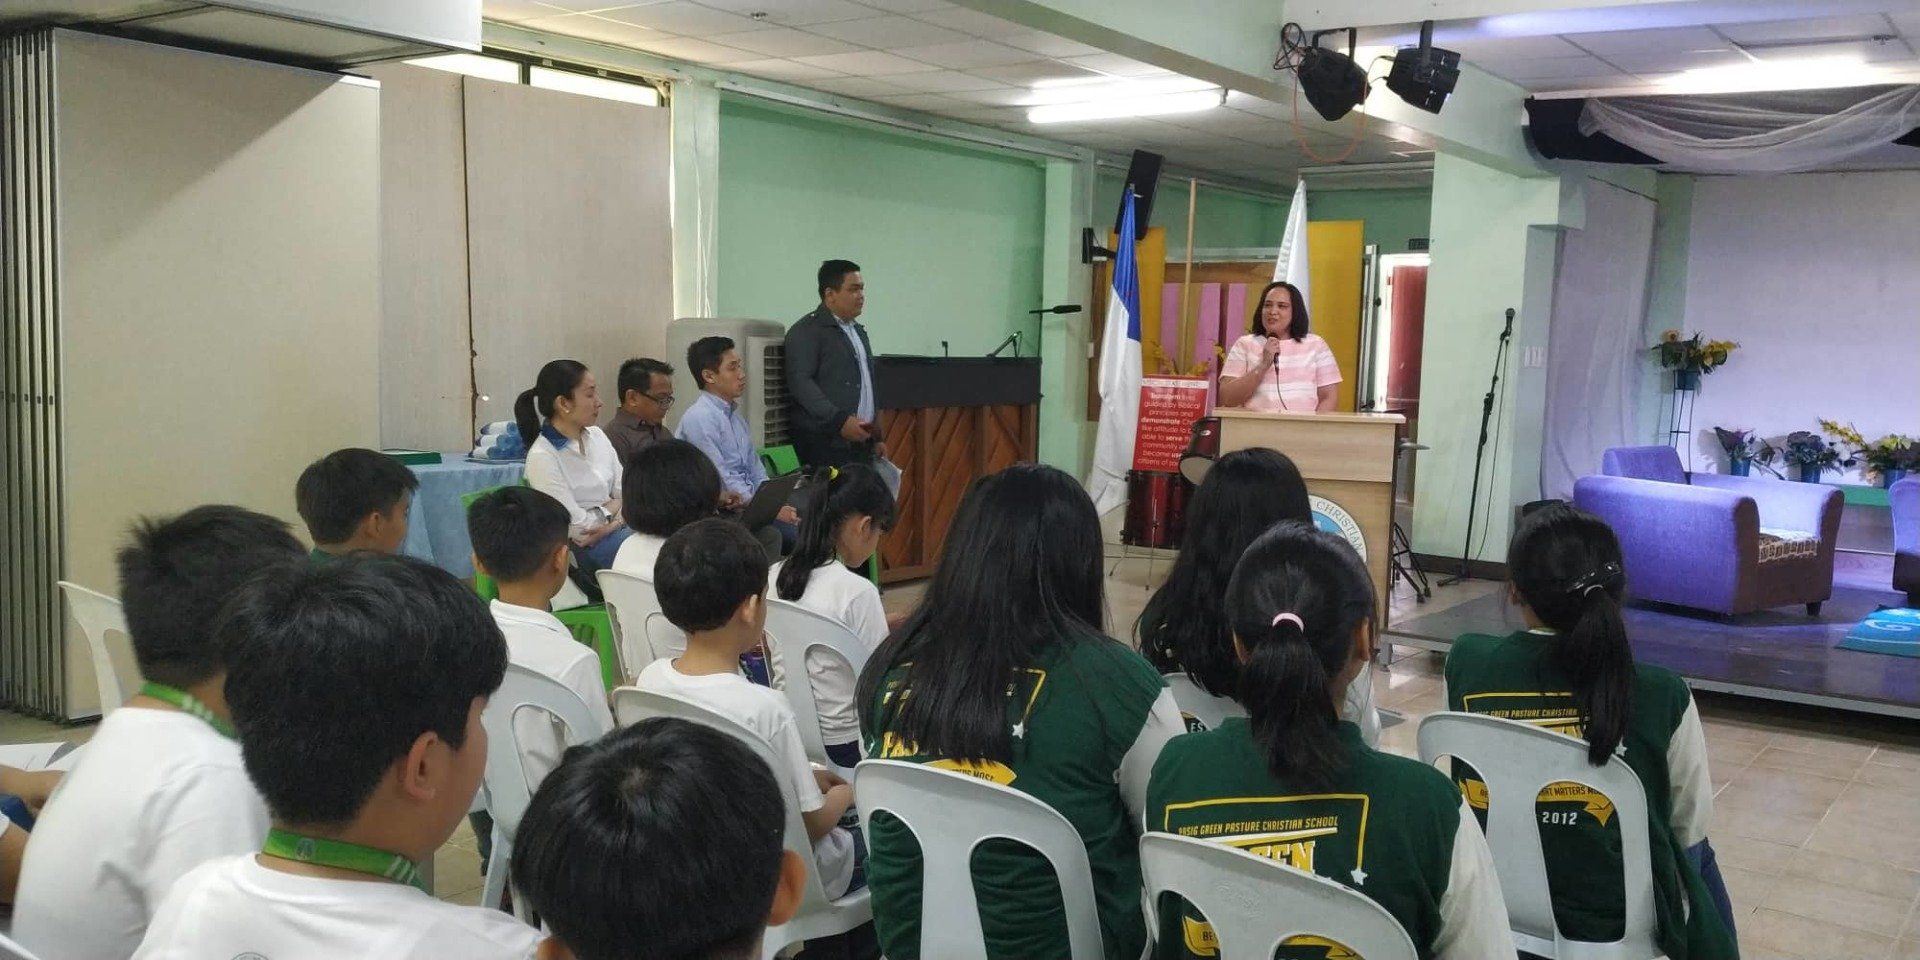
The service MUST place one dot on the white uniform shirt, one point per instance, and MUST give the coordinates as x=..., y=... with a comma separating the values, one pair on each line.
x=539, y=642
x=235, y=908
x=765, y=712
x=583, y=475
x=839, y=594
x=637, y=555
x=156, y=794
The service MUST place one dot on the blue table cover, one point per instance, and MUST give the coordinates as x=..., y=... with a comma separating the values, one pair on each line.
x=437, y=528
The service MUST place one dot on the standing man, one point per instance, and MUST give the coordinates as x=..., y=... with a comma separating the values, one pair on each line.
x=829, y=365
x=646, y=394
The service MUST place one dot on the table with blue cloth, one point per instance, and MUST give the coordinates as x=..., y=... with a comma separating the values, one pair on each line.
x=437, y=528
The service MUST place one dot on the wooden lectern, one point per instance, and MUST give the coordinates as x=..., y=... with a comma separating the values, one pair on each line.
x=1347, y=460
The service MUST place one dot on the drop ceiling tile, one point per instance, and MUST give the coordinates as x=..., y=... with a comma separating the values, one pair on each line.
x=694, y=50
x=682, y=17
x=1027, y=74
x=1811, y=28
x=930, y=102
x=1247, y=103
x=514, y=11
x=967, y=54
x=784, y=42
x=856, y=87
x=943, y=81
x=888, y=32
x=1631, y=43
x=794, y=13
x=574, y=6
x=866, y=63
x=1511, y=48
x=1001, y=97
x=1047, y=45
x=778, y=69
x=589, y=27
x=1676, y=61
x=974, y=22
x=909, y=6
x=1612, y=81
x=1116, y=65
x=1553, y=68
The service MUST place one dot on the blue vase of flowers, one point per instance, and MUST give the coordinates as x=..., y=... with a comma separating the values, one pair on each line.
x=1810, y=472
x=1740, y=466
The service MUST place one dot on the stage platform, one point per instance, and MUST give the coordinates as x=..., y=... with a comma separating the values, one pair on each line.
x=1774, y=654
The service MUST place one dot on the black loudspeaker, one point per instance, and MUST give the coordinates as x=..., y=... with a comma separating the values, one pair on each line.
x=1333, y=83
x=1424, y=75
x=1144, y=173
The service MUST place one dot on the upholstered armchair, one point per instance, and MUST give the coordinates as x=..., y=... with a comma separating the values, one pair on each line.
x=1904, y=498
x=1726, y=544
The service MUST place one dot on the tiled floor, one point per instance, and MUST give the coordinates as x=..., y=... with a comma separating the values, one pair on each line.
x=1816, y=819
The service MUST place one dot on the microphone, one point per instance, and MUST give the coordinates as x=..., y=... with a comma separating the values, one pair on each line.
x=1062, y=308
x=1508, y=332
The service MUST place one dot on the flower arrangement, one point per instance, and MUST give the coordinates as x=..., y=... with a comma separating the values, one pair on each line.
x=1694, y=354
x=1891, y=456
x=1743, y=449
x=1812, y=454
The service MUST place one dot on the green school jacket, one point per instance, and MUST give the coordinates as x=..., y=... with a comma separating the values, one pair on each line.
x=1385, y=828
x=1514, y=677
x=1079, y=709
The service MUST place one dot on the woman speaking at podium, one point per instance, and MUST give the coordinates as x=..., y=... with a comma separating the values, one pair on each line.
x=1278, y=367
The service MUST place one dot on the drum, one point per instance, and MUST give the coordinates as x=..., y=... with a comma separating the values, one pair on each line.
x=1202, y=449
x=1156, y=509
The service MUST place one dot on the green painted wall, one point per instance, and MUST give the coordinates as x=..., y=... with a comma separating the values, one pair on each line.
x=1393, y=216
x=1221, y=218
x=949, y=238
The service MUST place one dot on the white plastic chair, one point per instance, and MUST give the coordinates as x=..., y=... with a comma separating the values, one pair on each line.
x=1209, y=710
x=1516, y=761
x=641, y=633
x=793, y=632
x=1254, y=904
x=99, y=614
x=509, y=784
x=818, y=915
x=950, y=814
x=10, y=950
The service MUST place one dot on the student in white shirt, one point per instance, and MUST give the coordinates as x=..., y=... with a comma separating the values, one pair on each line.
x=571, y=460
x=160, y=788
x=843, y=517
x=591, y=845
x=357, y=688
x=712, y=583
x=520, y=540
x=667, y=486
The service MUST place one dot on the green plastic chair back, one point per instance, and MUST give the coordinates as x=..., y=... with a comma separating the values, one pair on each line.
x=780, y=460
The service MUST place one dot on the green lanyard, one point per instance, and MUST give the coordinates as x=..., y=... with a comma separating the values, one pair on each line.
x=344, y=856
x=188, y=703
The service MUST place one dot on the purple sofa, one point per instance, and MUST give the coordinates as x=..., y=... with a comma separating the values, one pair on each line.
x=1904, y=498
x=1730, y=545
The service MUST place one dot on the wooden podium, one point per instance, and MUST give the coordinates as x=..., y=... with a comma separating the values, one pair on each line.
x=1347, y=460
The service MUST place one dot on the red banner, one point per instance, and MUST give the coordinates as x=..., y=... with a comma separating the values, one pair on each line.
x=1168, y=408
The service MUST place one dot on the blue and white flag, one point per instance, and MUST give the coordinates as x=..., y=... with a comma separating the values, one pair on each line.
x=1119, y=373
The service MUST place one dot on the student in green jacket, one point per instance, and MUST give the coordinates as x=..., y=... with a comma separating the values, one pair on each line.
x=1573, y=672
x=1294, y=783
x=1003, y=673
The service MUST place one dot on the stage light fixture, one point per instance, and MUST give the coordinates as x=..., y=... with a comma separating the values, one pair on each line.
x=1424, y=75
x=1332, y=82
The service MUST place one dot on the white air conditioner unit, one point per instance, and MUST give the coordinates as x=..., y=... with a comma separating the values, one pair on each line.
x=760, y=343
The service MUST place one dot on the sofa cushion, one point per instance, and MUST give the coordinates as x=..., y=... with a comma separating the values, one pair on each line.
x=1778, y=544
x=1643, y=463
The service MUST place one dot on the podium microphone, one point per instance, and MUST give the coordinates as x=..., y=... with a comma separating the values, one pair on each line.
x=1062, y=308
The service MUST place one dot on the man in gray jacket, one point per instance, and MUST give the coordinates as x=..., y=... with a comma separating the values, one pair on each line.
x=829, y=369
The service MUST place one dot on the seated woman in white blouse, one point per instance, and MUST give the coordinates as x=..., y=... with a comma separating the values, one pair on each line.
x=1278, y=366
x=572, y=461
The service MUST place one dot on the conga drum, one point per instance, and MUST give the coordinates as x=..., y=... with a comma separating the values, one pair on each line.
x=1156, y=509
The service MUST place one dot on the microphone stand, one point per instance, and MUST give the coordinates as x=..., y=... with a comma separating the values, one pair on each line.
x=1480, y=451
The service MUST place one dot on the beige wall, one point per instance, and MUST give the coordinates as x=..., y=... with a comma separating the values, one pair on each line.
x=219, y=287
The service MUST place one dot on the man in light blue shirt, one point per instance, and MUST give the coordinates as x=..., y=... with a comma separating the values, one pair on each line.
x=714, y=424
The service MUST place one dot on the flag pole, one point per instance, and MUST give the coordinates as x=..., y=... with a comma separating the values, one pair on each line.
x=1186, y=286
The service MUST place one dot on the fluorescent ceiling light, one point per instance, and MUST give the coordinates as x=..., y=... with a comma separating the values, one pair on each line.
x=473, y=65
x=594, y=86
x=1107, y=88
x=1149, y=106
x=1802, y=74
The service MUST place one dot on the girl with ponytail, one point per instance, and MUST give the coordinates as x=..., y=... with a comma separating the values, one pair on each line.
x=843, y=513
x=571, y=460
x=1295, y=783
x=1572, y=671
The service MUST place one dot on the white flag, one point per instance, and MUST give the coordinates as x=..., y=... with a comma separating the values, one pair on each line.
x=1291, y=265
x=1119, y=374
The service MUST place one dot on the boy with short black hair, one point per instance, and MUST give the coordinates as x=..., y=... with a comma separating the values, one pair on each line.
x=355, y=499
x=160, y=788
x=664, y=791
x=520, y=540
x=357, y=687
x=711, y=581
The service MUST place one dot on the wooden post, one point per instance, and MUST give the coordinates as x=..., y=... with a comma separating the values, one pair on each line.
x=1186, y=287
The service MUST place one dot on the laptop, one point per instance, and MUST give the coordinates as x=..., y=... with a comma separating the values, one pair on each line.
x=768, y=500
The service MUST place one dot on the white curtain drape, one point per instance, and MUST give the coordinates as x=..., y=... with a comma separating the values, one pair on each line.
x=1760, y=133
x=1593, y=348
x=696, y=197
